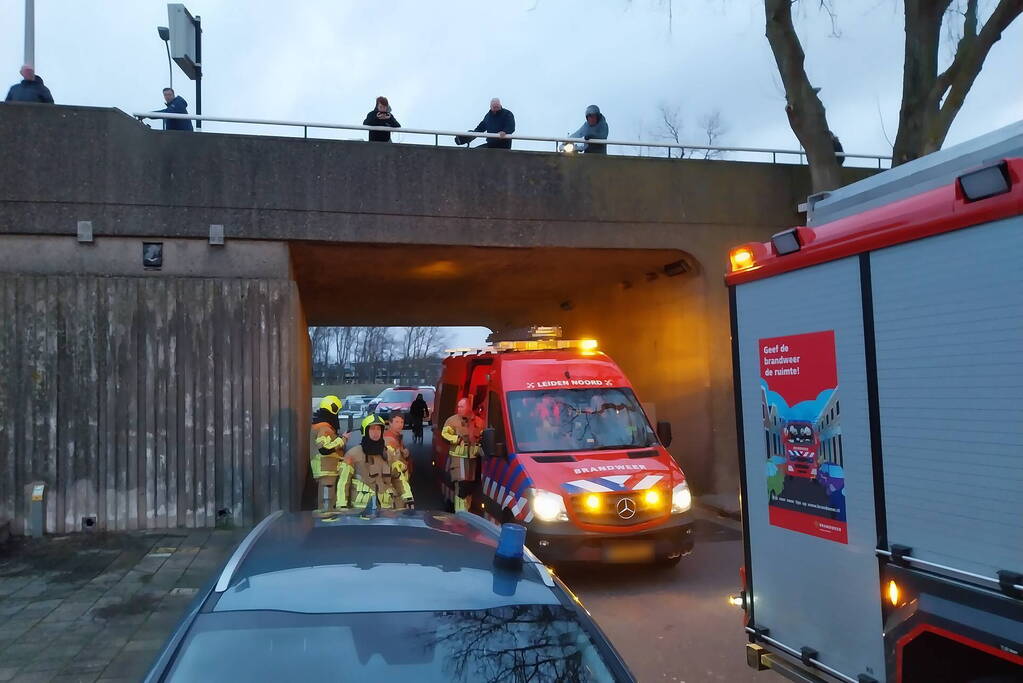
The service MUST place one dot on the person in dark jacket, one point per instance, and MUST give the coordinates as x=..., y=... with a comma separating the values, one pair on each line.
x=417, y=413
x=31, y=88
x=175, y=105
x=595, y=128
x=381, y=116
x=498, y=120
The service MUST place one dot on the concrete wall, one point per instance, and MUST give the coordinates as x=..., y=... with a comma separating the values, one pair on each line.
x=151, y=401
x=101, y=165
x=466, y=237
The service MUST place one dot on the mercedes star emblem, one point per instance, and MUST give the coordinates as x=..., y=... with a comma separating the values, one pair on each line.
x=626, y=508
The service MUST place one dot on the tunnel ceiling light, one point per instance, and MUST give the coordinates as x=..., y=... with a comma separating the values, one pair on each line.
x=986, y=182
x=676, y=268
x=786, y=242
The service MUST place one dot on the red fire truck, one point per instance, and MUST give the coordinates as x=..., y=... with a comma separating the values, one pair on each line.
x=568, y=451
x=903, y=560
x=801, y=447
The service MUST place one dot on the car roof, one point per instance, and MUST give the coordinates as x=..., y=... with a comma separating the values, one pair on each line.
x=393, y=562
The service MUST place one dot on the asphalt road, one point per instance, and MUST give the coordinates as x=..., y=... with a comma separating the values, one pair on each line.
x=669, y=624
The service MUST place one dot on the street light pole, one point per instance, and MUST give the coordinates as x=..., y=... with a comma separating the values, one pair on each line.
x=164, y=33
x=198, y=70
x=30, y=33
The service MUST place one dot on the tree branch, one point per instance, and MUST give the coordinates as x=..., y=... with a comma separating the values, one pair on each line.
x=969, y=62
x=803, y=107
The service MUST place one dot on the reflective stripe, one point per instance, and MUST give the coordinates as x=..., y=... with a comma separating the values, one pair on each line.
x=591, y=486
x=648, y=481
x=518, y=506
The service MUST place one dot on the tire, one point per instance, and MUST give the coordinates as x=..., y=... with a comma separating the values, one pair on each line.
x=668, y=562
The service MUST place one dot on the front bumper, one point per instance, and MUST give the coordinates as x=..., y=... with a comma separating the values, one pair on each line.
x=565, y=542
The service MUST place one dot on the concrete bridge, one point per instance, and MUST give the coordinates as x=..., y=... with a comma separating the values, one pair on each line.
x=178, y=395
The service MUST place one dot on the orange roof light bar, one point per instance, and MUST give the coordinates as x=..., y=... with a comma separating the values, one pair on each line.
x=741, y=258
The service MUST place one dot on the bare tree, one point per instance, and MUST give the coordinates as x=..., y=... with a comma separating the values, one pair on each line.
x=802, y=104
x=930, y=100
x=670, y=126
x=714, y=127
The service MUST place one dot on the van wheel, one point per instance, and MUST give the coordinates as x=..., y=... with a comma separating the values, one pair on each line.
x=668, y=562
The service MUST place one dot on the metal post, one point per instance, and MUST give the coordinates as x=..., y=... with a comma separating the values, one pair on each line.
x=305, y=131
x=198, y=70
x=436, y=140
x=170, y=65
x=30, y=33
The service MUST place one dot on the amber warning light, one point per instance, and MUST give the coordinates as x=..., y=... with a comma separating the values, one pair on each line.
x=741, y=258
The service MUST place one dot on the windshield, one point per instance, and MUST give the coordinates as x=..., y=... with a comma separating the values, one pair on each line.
x=395, y=396
x=578, y=420
x=516, y=643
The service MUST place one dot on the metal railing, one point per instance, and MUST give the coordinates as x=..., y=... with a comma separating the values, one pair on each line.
x=558, y=142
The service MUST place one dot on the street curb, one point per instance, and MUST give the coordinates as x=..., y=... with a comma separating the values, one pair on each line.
x=720, y=511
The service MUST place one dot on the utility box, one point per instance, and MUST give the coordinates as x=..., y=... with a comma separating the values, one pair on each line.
x=35, y=515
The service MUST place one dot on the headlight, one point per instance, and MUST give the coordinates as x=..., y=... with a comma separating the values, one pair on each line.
x=681, y=499
x=549, y=507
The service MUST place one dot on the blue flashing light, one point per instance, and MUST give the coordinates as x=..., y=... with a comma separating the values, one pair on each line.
x=510, y=546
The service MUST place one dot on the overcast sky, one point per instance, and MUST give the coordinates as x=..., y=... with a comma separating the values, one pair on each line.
x=439, y=63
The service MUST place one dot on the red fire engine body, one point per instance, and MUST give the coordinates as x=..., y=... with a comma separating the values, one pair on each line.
x=569, y=453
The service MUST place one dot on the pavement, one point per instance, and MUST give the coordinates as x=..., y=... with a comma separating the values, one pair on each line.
x=96, y=606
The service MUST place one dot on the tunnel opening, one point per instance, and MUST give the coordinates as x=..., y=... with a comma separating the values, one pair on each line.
x=646, y=307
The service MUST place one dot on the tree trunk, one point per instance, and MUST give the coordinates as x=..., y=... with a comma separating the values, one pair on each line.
x=802, y=105
x=930, y=101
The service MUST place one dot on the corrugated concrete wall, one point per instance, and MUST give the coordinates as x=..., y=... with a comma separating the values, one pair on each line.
x=151, y=402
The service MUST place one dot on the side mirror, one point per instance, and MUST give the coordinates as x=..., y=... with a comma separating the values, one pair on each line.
x=489, y=442
x=664, y=433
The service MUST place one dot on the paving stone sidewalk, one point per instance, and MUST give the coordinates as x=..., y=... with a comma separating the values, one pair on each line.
x=98, y=607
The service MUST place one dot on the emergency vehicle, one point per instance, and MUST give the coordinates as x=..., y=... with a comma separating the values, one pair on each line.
x=801, y=446
x=903, y=560
x=568, y=451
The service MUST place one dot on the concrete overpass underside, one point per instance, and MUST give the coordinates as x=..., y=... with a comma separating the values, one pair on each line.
x=151, y=397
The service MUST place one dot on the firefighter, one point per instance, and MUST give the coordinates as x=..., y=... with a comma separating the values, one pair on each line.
x=401, y=458
x=378, y=469
x=462, y=430
x=330, y=469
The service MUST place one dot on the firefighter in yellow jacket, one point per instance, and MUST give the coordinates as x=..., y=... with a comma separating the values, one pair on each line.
x=330, y=469
x=462, y=430
x=379, y=469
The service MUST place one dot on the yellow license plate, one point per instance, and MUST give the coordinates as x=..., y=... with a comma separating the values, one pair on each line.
x=629, y=552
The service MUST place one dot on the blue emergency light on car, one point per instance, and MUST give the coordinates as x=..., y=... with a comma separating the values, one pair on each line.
x=510, y=547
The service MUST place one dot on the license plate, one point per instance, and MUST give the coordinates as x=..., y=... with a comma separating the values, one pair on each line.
x=629, y=552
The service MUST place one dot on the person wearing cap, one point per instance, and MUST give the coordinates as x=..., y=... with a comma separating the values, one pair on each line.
x=31, y=88
x=381, y=116
x=595, y=128
x=326, y=459
x=462, y=431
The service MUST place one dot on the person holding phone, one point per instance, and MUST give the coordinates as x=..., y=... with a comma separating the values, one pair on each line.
x=381, y=116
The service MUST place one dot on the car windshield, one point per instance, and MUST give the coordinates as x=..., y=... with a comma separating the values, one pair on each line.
x=516, y=643
x=396, y=396
x=578, y=420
